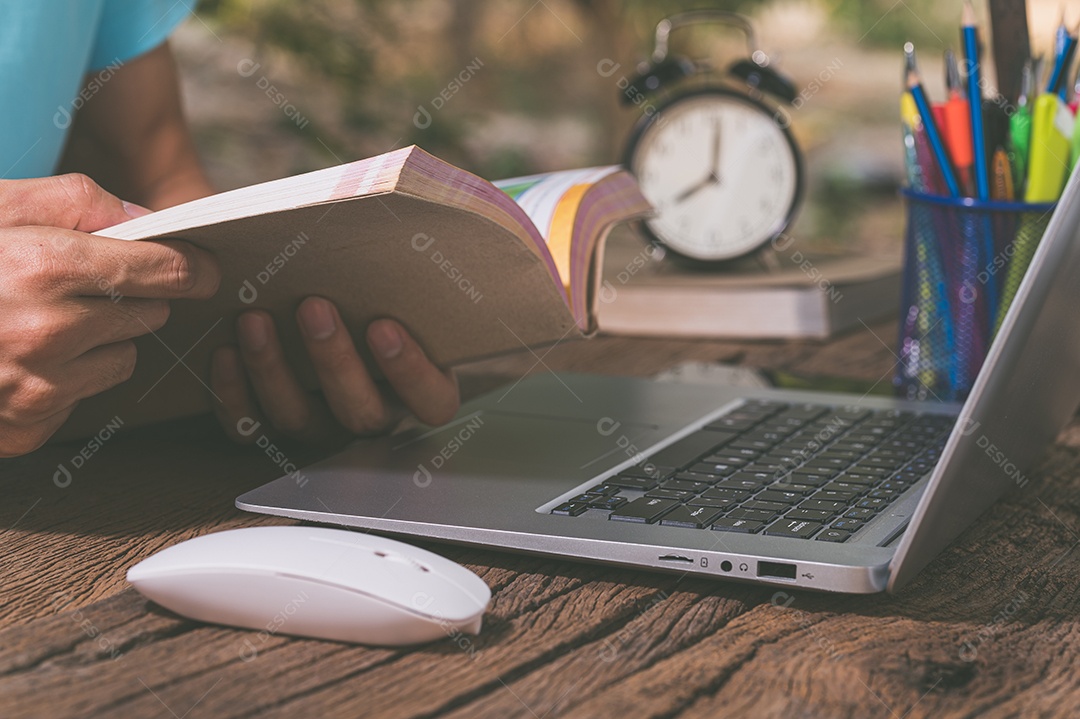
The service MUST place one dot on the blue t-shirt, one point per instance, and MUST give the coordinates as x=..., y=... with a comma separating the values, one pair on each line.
x=55, y=55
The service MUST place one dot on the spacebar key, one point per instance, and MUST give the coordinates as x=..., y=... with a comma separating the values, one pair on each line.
x=643, y=509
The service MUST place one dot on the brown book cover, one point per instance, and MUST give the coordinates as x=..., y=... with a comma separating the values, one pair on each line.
x=804, y=296
x=459, y=262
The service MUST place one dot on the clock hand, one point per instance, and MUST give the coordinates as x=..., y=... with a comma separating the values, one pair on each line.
x=686, y=194
x=716, y=152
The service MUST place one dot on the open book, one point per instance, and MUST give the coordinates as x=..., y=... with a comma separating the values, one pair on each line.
x=470, y=269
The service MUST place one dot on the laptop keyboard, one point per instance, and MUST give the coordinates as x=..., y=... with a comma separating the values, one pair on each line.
x=803, y=471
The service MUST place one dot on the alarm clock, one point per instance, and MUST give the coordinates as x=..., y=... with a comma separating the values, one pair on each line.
x=717, y=162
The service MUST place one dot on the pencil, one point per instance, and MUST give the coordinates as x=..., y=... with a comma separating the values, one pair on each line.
x=1002, y=188
x=970, y=36
x=915, y=87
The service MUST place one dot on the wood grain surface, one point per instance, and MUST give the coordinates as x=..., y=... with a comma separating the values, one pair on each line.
x=989, y=629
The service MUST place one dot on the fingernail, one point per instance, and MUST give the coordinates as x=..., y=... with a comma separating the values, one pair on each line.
x=134, y=210
x=316, y=319
x=385, y=339
x=225, y=367
x=253, y=333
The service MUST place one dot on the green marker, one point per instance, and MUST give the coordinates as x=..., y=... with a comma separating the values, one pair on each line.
x=1020, y=129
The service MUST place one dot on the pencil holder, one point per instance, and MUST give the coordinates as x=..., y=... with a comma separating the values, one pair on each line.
x=963, y=262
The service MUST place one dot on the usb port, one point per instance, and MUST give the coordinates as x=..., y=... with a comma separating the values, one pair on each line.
x=776, y=569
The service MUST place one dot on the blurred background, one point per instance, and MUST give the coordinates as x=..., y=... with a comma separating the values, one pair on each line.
x=511, y=87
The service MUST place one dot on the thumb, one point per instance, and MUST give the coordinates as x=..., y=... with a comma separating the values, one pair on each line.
x=71, y=202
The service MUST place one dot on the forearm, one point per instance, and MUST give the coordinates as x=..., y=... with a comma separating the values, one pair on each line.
x=132, y=138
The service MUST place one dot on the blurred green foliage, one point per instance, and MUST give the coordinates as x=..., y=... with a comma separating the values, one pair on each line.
x=384, y=59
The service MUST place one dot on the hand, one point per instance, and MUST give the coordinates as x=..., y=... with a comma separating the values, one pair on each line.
x=70, y=303
x=351, y=404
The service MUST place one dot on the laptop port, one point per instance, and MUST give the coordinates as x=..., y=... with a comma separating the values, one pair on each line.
x=676, y=558
x=779, y=570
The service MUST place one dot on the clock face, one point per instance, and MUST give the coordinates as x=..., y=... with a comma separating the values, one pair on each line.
x=721, y=173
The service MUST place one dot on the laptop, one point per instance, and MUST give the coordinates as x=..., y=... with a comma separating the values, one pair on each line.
x=816, y=490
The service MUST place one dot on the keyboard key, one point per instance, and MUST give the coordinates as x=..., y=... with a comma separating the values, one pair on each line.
x=839, y=485
x=755, y=515
x=725, y=493
x=720, y=436
x=823, y=505
x=756, y=503
x=583, y=498
x=691, y=517
x=810, y=515
x=641, y=483
x=859, y=513
x=643, y=509
x=726, y=460
x=570, y=509
x=683, y=485
x=685, y=451
x=856, y=479
x=831, y=494
x=795, y=528
x=648, y=470
x=745, y=485
x=802, y=476
x=712, y=502
x=848, y=525
x=791, y=488
x=699, y=477
x=713, y=469
x=833, y=535
x=745, y=526
x=771, y=495
x=607, y=502
x=759, y=444
x=875, y=504
x=669, y=494
x=606, y=489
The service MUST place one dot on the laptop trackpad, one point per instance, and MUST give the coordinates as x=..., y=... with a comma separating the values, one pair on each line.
x=526, y=446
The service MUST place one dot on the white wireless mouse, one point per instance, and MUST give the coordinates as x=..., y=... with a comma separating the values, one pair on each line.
x=316, y=582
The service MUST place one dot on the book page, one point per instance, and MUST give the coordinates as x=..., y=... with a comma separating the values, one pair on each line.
x=551, y=201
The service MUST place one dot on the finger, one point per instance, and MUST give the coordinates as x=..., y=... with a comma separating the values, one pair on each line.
x=346, y=383
x=100, y=267
x=19, y=440
x=97, y=321
x=72, y=202
x=236, y=411
x=101, y=368
x=430, y=393
x=34, y=400
x=288, y=407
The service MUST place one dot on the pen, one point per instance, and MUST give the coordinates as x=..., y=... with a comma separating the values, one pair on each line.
x=1062, y=62
x=919, y=95
x=970, y=36
x=956, y=124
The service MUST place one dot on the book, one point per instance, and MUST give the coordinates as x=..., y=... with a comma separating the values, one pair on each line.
x=804, y=297
x=471, y=270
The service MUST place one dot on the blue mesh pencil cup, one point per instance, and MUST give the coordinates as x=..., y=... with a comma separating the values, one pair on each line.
x=963, y=262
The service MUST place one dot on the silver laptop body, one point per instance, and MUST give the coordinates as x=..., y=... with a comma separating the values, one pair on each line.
x=493, y=476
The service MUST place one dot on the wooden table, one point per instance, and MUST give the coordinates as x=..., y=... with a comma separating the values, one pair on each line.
x=990, y=628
